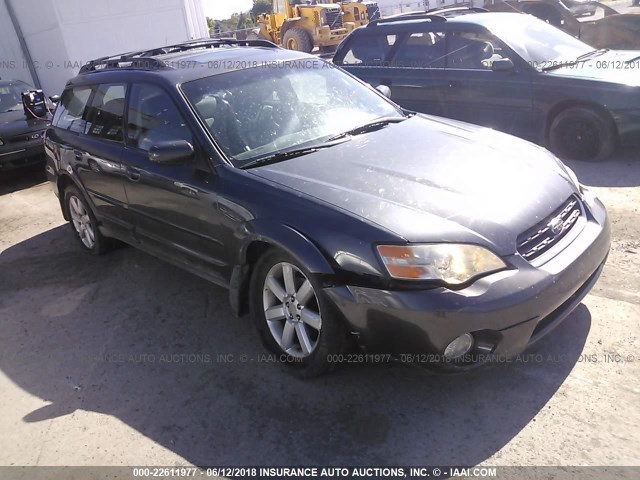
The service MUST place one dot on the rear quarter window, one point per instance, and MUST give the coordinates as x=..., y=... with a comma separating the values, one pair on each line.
x=71, y=112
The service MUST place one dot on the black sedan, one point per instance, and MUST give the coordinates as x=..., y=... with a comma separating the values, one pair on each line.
x=507, y=71
x=330, y=213
x=21, y=139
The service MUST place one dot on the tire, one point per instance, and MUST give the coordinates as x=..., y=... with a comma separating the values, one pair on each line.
x=324, y=332
x=83, y=223
x=297, y=39
x=580, y=133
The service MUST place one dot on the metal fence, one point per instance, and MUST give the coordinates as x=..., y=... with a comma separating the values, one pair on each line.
x=388, y=8
x=244, y=34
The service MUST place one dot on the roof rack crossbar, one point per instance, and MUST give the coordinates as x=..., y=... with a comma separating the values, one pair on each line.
x=461, y=9
x=409, y=16
x=113, y=63
x=209, y=43
x=145, y=58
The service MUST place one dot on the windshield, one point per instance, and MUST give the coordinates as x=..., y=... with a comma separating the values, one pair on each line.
x=261, y=111
x=537, y=42
x=11, y=96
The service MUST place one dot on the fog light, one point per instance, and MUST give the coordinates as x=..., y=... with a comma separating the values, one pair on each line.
x=459, y=346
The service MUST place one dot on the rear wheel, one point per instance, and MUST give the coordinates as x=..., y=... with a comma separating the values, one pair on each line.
x=580, y=133
x=293, y=317
x=297, y=39
x=83, y=222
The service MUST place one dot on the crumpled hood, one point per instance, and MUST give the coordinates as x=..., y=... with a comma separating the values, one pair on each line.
x=609, y=67
x=430, y=179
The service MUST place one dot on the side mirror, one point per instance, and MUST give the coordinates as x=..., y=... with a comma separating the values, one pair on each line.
x=176, y=152
x=55, y=99
x=383, y=89
x=502, y=65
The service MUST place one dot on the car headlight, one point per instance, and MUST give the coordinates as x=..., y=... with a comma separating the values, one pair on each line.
x=451, y=263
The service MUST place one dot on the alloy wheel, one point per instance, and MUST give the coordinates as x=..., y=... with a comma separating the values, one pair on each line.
x=291, y=310
x=82, y=222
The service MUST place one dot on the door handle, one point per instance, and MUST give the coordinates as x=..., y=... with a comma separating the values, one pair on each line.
x=186, y=189
x=133, y=174
x=453, y=84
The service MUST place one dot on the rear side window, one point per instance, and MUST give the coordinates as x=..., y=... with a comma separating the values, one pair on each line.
x=421, y=50
x=369, y=50
x=71, y=112
x=105, y=116
x=153, y=118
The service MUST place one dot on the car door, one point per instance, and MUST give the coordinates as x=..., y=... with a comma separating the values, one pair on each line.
x=483, y=89
x=416, y=73
x=174, y=205
x=409, y=63
x=88, y=136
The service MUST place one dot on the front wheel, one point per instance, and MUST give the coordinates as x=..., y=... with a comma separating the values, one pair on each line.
x=297, y=39
x=293, y=317
x=580, y=133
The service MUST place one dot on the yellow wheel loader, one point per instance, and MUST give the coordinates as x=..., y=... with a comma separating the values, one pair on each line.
x=304, y=24
x=359, y=12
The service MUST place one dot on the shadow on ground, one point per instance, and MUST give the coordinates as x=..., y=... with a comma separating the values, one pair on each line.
x=21, y=179
x=132, y=337
x=623, y=170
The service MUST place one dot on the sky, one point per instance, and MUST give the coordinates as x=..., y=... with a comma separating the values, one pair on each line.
x=221, y=9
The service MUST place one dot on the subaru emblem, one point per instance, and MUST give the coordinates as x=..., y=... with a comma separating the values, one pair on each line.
x=556, y=225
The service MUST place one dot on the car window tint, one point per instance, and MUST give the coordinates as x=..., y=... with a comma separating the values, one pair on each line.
x=70, y=113
x=367, y=50
x=153, y=118
x=474, y=50
x=106, y=113
x=421, y=50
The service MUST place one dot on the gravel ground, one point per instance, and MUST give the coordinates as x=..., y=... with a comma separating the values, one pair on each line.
x=117, y=360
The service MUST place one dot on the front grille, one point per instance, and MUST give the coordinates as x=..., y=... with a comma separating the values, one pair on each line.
x=373, y=11
x=333, y=18
x=543, y=236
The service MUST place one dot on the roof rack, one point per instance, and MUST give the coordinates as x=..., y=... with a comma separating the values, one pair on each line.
x=144, y=59
x=457, y=10
x=434, y=14
x=408, y=16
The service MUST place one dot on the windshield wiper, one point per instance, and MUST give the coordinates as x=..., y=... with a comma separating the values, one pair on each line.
x=289, y=154
x=567, y=63
x=599, y=51
x=376, y=124
x=335, y=140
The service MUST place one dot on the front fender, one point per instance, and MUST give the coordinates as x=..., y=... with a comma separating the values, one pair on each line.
x=291, y=241
x=276, y=235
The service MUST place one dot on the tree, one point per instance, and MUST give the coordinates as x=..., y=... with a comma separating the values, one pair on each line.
x=242, y=22
x=260, y=7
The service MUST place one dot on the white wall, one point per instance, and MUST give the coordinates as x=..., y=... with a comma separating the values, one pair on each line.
x=12, y=63
x=64, y=34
